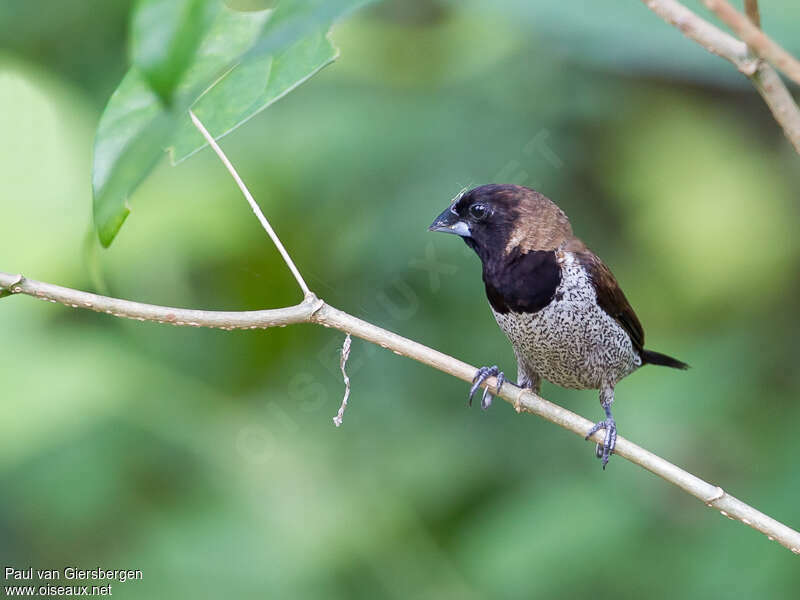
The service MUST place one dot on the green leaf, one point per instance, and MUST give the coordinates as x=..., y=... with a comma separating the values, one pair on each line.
x=132, y=131
x=251, y=87
x=164, y=37
x=244, y=62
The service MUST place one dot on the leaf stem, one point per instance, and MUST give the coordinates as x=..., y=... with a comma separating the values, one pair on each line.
x=253, y=204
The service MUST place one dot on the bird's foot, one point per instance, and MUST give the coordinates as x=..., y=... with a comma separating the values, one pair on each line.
x=482, y=375
x=606, y=449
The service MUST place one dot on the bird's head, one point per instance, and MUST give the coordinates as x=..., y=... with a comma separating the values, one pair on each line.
x=496, y=220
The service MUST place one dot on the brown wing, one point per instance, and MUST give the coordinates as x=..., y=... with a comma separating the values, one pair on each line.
x=610, y=297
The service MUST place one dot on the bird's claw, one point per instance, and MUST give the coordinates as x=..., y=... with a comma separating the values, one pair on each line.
x=482, y=375
x=606, y=449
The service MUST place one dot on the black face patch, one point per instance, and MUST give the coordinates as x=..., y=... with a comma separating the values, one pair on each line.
x=522, y=283
x=490, y=212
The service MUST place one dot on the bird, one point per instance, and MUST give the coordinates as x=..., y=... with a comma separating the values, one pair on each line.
x=560, y=306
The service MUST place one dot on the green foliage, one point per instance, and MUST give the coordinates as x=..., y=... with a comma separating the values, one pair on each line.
x=250, y=88
x=164, y=38
x=226, y=65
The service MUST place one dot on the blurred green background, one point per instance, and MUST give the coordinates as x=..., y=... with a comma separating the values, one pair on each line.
x=208, y=459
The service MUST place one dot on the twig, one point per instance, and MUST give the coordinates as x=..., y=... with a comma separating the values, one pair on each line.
x=761, y=44
x=751, y=10
x=342, y=364
x=313, y=310
x=772, y=89
x=716, y=41
x=254, y=319
x=704, y=33
x=256, y=209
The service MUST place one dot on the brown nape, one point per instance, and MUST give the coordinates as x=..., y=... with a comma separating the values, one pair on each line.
x=539, y=223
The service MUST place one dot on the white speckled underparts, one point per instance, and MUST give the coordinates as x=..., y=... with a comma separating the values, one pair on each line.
x=571, y=342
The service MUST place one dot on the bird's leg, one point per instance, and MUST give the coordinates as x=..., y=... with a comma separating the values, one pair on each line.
x=482, y=375
x=604, y=450
x=526, y=378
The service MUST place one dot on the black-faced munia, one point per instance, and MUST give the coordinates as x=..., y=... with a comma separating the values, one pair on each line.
x=559, y=305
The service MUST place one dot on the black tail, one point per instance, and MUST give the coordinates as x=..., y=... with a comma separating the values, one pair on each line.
x=656, y=358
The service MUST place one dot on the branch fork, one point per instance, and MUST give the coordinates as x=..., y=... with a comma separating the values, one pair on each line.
x=755, y=65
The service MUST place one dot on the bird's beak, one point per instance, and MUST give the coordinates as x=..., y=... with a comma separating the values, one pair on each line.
x=448, y=222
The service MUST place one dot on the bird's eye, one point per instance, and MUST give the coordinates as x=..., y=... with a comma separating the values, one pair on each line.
x=478, y=211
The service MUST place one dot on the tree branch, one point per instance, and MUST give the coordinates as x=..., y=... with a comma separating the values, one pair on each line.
x=704, y=33
x=757, y=40
x=764, y=78
x=314, y=310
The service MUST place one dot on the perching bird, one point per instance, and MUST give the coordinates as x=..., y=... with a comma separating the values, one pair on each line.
x=559, y=305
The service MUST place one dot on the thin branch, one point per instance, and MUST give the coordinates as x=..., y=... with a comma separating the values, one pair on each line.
x=772, y=89
x=761, y=44
x=751, y=10
x=313, y=310
x=704, y=33
x=257, y=319
x=256, y=209
x=766, y=80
